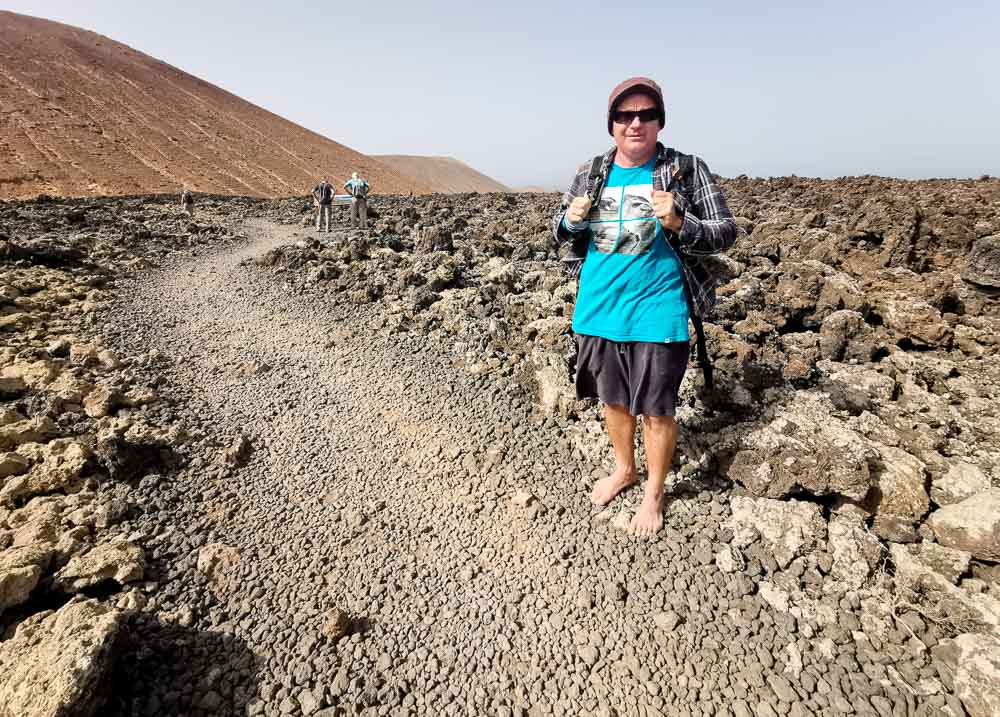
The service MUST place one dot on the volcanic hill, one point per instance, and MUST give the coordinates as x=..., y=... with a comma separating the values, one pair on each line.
x=82, y=115
x=444, y=174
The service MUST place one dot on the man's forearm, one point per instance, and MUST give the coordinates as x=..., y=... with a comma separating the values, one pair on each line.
x=707, y=236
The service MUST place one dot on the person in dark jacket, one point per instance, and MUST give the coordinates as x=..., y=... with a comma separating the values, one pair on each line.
x=323, y=199
x=187, y=201
x=640, y=217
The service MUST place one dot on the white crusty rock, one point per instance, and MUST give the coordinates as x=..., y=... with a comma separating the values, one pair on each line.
x=973, y=663
x=216, y=561
x=121, y=561
x=927, y=576
x=972, y=525
x=900, y=497
x=916, y=320
x=856, y=552
x=804, y=447
x=56, y=663
x=555, y=392
x=962, y=480
x=788, y=528
x=729, y=559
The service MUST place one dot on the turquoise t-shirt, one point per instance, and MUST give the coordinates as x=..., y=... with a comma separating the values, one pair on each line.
x=632, y=283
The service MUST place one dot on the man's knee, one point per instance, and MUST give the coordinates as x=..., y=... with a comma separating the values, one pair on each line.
x=659, y=423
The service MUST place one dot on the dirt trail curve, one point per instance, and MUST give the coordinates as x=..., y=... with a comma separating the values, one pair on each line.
x=381, y=483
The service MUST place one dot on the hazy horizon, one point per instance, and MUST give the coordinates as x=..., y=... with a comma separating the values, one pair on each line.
x=518, y=91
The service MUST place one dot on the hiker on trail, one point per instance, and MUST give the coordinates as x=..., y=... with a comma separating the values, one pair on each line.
x=187, y=201
x=637, y=222
x=358, y=189
x=323, y=200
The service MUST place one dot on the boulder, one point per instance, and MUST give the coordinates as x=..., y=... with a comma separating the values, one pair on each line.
x=915, y=320
x=788, y=528
x=915, y=562
x=102, y=401
x=59, y=465
x=804, y=447
x=56, y=664
x=844, y=335
x=554, y=392
x=960, y=481
x=856, y=389
x=20, y=570
x=32, y=430
x=12, y=387
x=121, y=561
x=856, y=552
x=12, y=464
x=983, y=264
x=919, y=583
x=900, y=489
x=972, y=665
x=973, y=525
x=34, y=374
x=37, y=522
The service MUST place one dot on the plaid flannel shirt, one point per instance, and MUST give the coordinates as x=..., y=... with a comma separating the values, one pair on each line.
x=708, y=227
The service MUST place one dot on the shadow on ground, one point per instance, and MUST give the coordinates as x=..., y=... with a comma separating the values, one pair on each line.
x=165, y=668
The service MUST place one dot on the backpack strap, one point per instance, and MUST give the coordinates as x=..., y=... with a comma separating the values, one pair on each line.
x=681, y=181
x=702, y=349
x=596, y=179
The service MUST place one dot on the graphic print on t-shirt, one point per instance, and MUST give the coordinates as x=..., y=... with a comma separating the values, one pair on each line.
x=623, y=221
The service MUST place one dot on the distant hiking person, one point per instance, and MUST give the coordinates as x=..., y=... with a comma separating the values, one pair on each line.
x=187, y=202
x=358, y=189
x=640, y=218
x=323, y=198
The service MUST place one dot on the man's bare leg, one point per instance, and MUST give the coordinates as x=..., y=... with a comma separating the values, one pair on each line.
x=660, y=434
x=621, y=429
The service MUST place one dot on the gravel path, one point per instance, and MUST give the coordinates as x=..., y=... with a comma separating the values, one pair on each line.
x=448, y=522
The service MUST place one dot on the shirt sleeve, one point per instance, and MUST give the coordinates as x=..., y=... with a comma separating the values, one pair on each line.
x=709, y=227
x=560, y=228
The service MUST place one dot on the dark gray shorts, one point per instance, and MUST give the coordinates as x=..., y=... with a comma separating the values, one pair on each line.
x=643, y=377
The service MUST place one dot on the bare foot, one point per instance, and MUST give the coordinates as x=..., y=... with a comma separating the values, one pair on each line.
x=607, y=488
x=648, y=520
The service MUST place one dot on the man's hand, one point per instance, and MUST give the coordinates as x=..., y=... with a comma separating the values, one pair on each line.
x=578, y=210
x=663, y=208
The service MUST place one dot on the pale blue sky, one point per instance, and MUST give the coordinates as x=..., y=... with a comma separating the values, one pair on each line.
x=519, y=89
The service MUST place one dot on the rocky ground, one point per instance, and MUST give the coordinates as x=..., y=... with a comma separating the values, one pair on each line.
x=274, y=472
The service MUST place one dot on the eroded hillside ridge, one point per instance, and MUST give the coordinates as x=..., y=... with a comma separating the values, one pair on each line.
x=84, y=115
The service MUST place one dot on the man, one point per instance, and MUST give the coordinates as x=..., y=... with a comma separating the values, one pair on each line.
x=650, y=215
x=323, y=199
x=187, y=201
x=358, y=189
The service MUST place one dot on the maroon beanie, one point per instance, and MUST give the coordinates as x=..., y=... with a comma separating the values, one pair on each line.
x=636, y=84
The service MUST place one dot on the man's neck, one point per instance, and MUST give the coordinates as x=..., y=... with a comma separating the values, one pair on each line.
x=624, y=160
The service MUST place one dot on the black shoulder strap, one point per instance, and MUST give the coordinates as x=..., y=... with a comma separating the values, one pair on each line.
x=596, y=179
x=683, y=175
x=702, y=349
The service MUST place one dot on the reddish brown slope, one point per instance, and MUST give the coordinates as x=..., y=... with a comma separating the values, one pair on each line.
x=81, y=114
x=443, y=174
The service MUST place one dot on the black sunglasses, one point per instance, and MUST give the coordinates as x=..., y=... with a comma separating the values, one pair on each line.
x=626, y=116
